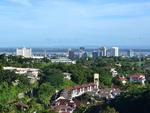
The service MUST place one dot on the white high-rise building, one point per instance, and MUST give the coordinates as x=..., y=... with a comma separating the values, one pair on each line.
x=115, y=51
x=103, y=51
x=25, y=52
x=130, y=53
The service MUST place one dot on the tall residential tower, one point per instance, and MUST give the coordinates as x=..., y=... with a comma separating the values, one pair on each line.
x=115, y=51
x=25, y=52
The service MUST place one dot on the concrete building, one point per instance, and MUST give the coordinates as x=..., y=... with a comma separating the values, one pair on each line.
x=63, y=60
x=130, y=53
x=75, y=91
x=31, y=73
x=71, y=54
x=138, y=78
x=64, y=106
x=25, y=52
x=82, y=53
x=115, y=51
x=113, y=72
x=67, y=75
x=95, y=54
x=96, y=80
x=103, y=51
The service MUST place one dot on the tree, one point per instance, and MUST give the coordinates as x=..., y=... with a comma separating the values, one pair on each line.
x=109, y=110
x=45, y=92
x=53, y=76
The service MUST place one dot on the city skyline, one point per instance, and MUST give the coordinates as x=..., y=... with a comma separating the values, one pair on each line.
x=74, y=23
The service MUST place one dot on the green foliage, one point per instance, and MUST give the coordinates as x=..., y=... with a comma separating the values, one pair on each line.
x=45, y=92
x=136, y=100
x=106, y=79
x=109, y=110
x=53, y=76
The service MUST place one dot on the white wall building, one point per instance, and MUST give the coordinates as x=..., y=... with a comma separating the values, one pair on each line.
x=103, y=51
x=96, y=80
x=115, y=51
x=139, y=78
x=32, y=73
x=25, y=52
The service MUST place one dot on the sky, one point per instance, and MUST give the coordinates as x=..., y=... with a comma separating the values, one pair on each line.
x=70, y=23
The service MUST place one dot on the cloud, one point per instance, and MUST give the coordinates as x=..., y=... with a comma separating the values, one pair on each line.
x=21, y=2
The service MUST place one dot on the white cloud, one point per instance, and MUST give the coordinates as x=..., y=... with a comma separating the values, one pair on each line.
x=21, y=2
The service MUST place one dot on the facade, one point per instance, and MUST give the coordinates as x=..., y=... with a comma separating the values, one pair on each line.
x=82, y=53
x=115, y=51
x=71, y=54
x=72, y=92
x=25, y=52
x=123, y=80
x=96, y=80
x=138, y=78
x=95, y=54
x=31, y=73
x=103, y=51
x=113, y=72
x=67, y=76
x=109, y=93
x=64, y=106
x=130, y=53
x=63, y=60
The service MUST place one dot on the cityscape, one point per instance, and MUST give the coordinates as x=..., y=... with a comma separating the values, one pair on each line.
x=74, y=56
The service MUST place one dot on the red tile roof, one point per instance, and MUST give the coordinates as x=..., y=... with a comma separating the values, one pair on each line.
x=137, y=75
x=81, y=86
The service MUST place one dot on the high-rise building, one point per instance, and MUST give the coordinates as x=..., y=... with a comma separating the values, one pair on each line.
x=25, y=52
x=95, y=54
x=103, y=51
x=115, y=51
x=130, y=53
x=82, y=53
x=71, y=54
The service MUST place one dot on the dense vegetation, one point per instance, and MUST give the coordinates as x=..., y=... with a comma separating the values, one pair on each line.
x=51, y=79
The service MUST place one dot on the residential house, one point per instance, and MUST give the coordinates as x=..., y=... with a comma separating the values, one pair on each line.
x=138, y=78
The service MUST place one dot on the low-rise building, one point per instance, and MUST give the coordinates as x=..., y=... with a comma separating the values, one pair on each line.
x=31, y=73
x=67, y=76
x=138, y=78
x=122, y=79
x=72, y=92
x=63, y=60
x=109, y=93
x=64, y=106
x=114, y=72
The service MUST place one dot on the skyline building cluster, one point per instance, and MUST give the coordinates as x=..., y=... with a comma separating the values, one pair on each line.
x=74, y=54
x=105, y=52
x=101, y=52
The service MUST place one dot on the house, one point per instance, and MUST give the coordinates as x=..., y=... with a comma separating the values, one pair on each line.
x=138, y=78
x=63, y=60
x=114, y=72
x=64, y=106
x=109, y=93
x=31, y=73
x=75, y=91
x=67, y=76
x=122, y=79
x=62, y=100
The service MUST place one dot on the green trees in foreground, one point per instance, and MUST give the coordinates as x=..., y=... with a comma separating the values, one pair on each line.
x=135, y=100
x=108, y=110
